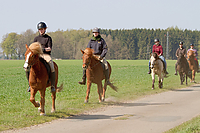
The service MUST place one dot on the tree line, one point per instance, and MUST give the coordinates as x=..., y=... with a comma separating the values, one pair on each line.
x=129, y=44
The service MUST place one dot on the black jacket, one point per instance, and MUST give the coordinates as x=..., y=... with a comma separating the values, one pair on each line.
x=99, y=46
x=45, y=41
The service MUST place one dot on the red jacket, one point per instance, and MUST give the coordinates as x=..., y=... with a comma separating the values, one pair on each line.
x=158, y=49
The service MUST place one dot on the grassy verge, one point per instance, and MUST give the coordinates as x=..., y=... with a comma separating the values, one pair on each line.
x=130, y=76
x=192, y=126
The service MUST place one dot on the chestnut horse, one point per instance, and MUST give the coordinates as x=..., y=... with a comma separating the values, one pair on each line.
x=38, y=79
x=192, y=64
x=183, y=68
x=95, y=74
x=156, y=66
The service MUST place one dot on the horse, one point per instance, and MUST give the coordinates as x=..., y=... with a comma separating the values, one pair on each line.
x=156, y=66
x=182, y=68
x=192, y=64
x=95, y=74
x=38, y=78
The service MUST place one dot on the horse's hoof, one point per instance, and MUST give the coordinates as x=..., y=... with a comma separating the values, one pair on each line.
x=53, y=111
x=103, y=100
x=152, y=88
x=42, y=114
x=99, y=101
x=38, y=104
x=86, y=101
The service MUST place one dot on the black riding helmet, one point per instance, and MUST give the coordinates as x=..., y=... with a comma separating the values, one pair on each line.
x=156, y=40
x=41, y=25
x=191, y=44
x=96, y=30
x=181, y=43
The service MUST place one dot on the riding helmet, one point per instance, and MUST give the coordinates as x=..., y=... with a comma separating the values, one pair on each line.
x=96, y=30
x=156, y=40
x=41, y=25
x=181, y=43
x=191, y=44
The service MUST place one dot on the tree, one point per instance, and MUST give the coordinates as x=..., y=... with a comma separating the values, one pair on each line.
x=9, y=45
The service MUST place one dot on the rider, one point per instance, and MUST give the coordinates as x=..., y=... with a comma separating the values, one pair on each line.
x=195, y=54
x=181, y=50
x=100, y=49
x=46, y=43
x=157, y=48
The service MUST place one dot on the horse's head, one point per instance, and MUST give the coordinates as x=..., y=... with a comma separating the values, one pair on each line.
x=180, y=57
x=32, y=55
x=190, y=54
x=153, y=58
x=87, y=55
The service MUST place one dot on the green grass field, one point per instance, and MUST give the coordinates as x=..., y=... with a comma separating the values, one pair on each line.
x=130, y=76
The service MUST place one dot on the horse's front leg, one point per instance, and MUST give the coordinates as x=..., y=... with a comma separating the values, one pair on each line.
x=100, y=90
x=42, y=102
x=186, y=79
x=104, y=91
x=160, y=81
x=32, y=98
x=153, y=78
x=53, y=96
x=193, y=76
x=181, y=77
x=88, y=91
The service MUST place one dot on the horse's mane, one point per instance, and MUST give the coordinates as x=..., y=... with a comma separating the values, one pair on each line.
x=89, y=51
x=191, y=52
x=155, y=55
x=36, y=48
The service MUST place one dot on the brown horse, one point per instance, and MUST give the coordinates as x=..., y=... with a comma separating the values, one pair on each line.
x=38, y=79
x=94, y=74
x=183, y=68
x=156, y=66
x=192, y=64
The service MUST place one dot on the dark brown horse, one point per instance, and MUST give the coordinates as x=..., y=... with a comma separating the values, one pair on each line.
x=192, y=64
x=38, y=79
x=94, y=74
x=156, y=66
x=183, y=68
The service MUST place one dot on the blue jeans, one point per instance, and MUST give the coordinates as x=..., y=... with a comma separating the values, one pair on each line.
x=163, y=59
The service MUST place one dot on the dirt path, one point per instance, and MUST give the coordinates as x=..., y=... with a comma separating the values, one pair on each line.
x=152, y=114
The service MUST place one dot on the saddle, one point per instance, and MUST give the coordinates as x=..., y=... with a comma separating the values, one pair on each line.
x=47, y=67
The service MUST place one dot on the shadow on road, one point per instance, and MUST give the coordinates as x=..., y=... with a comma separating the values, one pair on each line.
x=94, y=117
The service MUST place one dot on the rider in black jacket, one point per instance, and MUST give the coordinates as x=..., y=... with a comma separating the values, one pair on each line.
x=100, y=49
x=46, y=43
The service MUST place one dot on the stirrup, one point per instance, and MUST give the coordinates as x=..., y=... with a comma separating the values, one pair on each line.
x=53, y=89
x=82, y=82
x=29, y=89
x=108, y=82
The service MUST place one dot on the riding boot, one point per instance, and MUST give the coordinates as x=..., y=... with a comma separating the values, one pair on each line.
x=106, y=72
x=27, y=76
x=83, y=78
x=149, y=72
x=53, y=80
x=175, y=69
x=165, y=71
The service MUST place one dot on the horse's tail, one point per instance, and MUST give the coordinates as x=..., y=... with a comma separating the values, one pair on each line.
x=59, y=89
x=113, y=87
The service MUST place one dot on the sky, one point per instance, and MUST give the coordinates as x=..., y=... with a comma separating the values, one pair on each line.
x=19, y=15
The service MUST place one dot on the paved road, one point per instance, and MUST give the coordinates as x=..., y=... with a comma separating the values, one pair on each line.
x=152, y=114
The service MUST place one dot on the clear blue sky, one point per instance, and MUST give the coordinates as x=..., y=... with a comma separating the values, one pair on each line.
x=20, y=15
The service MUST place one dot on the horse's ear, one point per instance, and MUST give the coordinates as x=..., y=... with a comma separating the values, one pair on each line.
x=82, y=51
x=26, y=46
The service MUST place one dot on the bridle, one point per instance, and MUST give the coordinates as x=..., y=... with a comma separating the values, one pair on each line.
x=88, y=63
